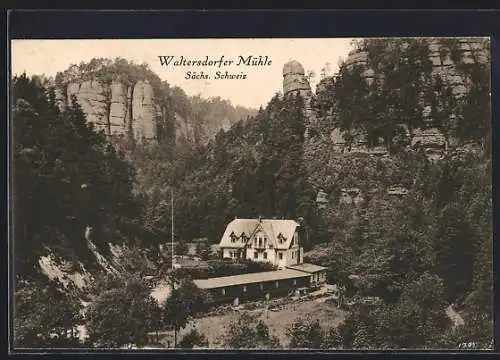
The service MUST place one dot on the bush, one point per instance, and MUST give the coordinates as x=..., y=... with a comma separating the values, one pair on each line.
x=192, y=339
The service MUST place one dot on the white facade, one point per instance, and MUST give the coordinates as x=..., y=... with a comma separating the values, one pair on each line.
x=269, y=240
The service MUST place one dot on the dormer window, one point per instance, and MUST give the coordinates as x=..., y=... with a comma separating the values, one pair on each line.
x=281, y=238
x=233, y=237
x=243, y=237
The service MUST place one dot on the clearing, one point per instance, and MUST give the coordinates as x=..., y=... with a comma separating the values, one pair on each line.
x=213, y=327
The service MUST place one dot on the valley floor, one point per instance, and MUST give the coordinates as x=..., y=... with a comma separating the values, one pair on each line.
x=213, y=327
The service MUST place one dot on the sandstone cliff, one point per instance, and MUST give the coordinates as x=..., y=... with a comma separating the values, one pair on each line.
x=296, y=82
x=434, y=88
x=115, y=108
x=128, y=100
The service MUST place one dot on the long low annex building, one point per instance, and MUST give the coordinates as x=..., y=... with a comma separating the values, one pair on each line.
x=261, y=285
x=274, y=241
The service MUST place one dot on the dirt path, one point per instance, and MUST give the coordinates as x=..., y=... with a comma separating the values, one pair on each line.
x=454, y=316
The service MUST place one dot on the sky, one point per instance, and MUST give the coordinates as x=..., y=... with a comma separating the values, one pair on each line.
x=37, y=57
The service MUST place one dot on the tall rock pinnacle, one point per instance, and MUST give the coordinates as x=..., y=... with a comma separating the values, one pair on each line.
x=296, y=82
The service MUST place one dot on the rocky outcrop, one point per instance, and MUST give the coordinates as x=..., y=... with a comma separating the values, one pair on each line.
x=91, y=97
x=120, y=111
x=322, y=199
x=184, y=129
x=295, y=82
x=124, y=99
x=294, y=79
x=446, y=56
x=446, y=65
x=115, y=108
x=351, y=196
x=144, y=111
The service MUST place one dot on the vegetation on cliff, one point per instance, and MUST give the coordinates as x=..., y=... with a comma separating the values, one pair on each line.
x=418, y=251
x=398, y=84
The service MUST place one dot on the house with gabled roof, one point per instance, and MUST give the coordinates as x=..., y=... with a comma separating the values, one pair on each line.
x=271, y=240
x=276, y=241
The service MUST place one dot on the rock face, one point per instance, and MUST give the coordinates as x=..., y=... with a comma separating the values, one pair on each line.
x=144, y=111
x=117, y=109
x=294, y=79
x=322, y=199
x=444, y=55
x=184, y=129
x=352, y=196
x=90, y=95
x=119, y=114
x=449, y=59
x=295, y=82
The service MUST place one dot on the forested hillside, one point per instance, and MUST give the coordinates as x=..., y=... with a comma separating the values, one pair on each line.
x=414, y=232
x=434, y=235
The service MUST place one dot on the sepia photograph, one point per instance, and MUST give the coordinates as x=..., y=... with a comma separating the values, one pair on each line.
x=256, y=194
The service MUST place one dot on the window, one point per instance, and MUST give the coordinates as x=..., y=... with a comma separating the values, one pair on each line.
x=244, y=288
x=280, y=255
x=223, y=291
x=294, y=282
x=277, y=284
x=281, y=238
x=293, y=254
x=265, y=255
x=261, y=286
x=260, y=241
x=255, y=255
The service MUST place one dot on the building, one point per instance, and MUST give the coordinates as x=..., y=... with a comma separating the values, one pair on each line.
x=317, y=273
x=262, y=285
x=271, y=240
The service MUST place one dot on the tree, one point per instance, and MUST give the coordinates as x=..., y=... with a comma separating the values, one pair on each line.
x=192, y=339
x=454, y=250
x=67, y=177
x=332, y=339
x=45, y=316
x=176, y=313
x=306, y=334
x=123, y=313
x=247, y=332
x=416, y=320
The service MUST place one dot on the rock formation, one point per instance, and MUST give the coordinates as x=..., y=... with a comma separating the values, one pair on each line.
x=128, y=100
x=295, y=82
x=144, y=111
x=322, y=199
x=120, y=112
x=116, y=108
x=450, y=60
x=444, y=54
x=351, y=196
x=90, y=95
